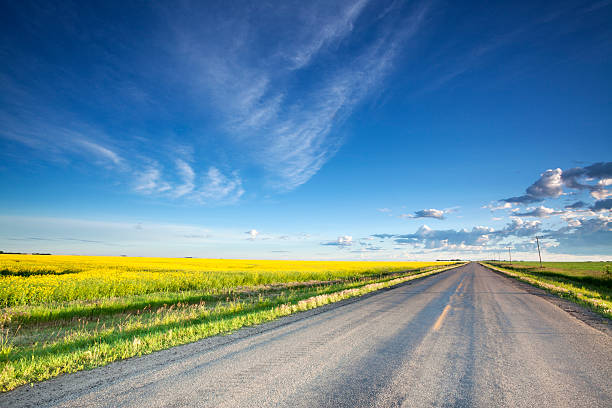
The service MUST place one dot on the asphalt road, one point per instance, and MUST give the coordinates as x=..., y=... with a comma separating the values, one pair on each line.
x=465, y=337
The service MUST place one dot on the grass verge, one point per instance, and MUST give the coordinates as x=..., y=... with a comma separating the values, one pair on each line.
x=593, y=292
x=38, y=350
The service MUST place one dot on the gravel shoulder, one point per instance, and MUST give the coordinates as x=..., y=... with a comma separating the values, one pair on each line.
x=574, y=309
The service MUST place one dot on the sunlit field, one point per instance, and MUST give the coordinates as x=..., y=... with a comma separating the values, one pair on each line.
x=36, y=279
x=66, y=313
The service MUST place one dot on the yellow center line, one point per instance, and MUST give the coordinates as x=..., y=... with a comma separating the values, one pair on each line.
x=438, y=324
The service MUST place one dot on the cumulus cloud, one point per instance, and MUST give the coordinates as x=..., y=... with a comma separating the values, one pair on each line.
x=600, y=171
x=576, y=205
x=519, y=228
x=366, y=245
x=587, y=232
x=602, y=205
x=498, y=206
x=551, y=183
x=548, y=185
x=252, y=234
x=478, y=236
x=586, y=236
x=427, y=213
x=342, y=241
x=383, y=236
x=540, y=212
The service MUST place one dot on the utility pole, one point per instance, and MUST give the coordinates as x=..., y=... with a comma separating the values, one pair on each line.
x=510, y=255
x=539, y=254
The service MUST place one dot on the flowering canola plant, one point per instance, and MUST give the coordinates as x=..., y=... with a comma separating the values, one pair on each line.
x=41, y=279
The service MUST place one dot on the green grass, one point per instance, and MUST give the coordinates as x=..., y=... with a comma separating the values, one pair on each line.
x=38, y=342
x=571, y=268
x=586, y=283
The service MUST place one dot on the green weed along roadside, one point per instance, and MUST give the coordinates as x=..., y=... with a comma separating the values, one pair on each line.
x=27, y=314
x=33, y=364
x=597, y=297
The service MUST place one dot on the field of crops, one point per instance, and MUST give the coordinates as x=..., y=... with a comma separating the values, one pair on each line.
x=596, y=269
x=68, y=278
x=61, y=314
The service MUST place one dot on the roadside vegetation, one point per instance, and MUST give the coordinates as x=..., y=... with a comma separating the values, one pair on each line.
x=61, y=314
x=586, y=283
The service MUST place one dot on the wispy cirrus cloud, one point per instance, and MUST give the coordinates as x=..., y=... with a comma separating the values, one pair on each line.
x=280, y=106
x=328, y=32
x=100, y=151
x=212, y=186
x=57, y=141
x=276, y=84
x=187, y=175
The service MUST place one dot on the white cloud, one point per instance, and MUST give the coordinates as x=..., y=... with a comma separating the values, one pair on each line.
x=290, y=133
x=551, y=183
x=148, y=181
x=498, y=206
x=341, y=241
x=345, y=240
x=252, y=234
x=427, y=213
x=214, y=186
x=540, y=212
x=187, y=175
x=219, y=187
x=279, y=105
x=101, y=151
x=601, y=194
x=327, y=32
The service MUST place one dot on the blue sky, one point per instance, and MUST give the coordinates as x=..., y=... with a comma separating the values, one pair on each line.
x=307, y=130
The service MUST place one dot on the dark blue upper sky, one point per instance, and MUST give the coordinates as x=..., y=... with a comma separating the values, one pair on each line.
x=372, y=129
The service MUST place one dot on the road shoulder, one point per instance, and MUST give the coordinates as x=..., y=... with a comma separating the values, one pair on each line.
x=579, y=312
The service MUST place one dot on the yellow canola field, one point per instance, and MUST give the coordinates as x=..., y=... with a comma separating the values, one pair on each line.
x=38, y=279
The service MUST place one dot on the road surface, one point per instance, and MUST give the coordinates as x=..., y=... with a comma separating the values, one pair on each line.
x=465, y=337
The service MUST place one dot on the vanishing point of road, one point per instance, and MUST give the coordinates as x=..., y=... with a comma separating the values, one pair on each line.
x=465, y=337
